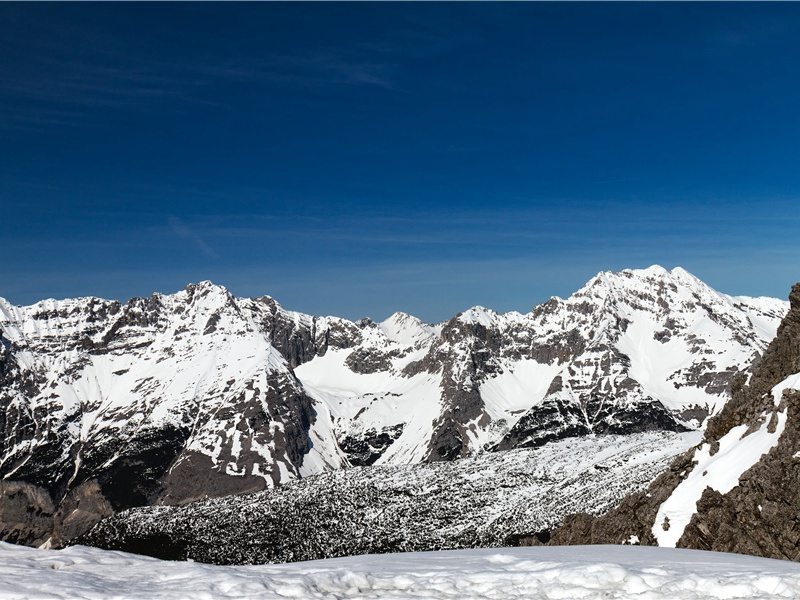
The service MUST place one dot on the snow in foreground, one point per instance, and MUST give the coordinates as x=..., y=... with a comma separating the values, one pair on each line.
x=565, y=572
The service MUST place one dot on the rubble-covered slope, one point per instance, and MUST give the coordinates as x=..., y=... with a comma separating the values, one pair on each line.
x=739, y=491
x=491, y=500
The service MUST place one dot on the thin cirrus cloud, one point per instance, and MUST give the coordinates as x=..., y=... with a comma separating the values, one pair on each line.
x=182, y=230
x=97, y=84
x=67, y=98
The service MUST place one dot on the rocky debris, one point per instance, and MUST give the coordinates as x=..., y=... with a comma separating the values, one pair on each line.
x=758, y=516
x=496, y=499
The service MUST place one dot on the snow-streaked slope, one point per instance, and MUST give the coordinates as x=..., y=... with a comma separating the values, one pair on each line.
x=720, y=468
x=693, y=331
x=621, y=572
x=168, y=362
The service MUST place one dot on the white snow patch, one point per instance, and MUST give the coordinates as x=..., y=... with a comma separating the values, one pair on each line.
x=520, y=386
x=622, y=572
x=790, y=383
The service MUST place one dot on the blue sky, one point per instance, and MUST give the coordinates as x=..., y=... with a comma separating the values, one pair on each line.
x=356, y=159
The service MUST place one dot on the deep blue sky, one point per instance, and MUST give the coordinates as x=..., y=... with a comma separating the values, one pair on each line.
x=357, y=159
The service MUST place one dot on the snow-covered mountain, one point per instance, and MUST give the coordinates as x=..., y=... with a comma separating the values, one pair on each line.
x=630, y=351
x=176, y=397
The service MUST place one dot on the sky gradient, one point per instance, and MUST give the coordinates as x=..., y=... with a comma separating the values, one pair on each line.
x=357, y=159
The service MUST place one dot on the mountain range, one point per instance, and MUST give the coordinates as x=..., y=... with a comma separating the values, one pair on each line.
x=199, y=394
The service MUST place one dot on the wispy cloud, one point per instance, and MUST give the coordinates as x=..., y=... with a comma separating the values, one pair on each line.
x=56, y=92
x=323, y=67
x=182, y=230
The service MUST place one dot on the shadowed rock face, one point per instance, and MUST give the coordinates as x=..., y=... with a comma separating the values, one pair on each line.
x=759, y=516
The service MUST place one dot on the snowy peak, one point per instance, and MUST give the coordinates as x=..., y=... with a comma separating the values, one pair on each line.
x=479, y=315
x=408, y=330
x=637, y=282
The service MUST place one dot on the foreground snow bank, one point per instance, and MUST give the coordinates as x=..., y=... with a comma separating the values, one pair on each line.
x=565, y=572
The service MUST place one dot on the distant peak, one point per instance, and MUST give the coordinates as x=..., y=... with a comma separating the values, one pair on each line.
x=655, y=270
x=612, y=283
x=205, y=286
x=681, y=273
x=401, y=317
x=406, y=329
x=478, y=314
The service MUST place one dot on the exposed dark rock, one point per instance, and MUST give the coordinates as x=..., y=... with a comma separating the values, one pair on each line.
x=294, y=340
x=557, y=419
x=371, y=360
x=365, y=449
x=549, y=421
x=26, y=513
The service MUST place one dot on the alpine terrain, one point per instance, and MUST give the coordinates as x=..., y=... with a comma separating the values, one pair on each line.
x=174, y=398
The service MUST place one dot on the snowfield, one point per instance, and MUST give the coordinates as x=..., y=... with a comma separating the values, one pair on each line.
x=571, y=572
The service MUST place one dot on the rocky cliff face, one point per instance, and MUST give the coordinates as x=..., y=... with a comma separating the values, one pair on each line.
x=171, y=398
x=738, y=491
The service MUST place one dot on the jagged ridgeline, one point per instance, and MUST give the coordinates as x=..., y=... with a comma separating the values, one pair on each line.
x=174, y=398
x=739, y=491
